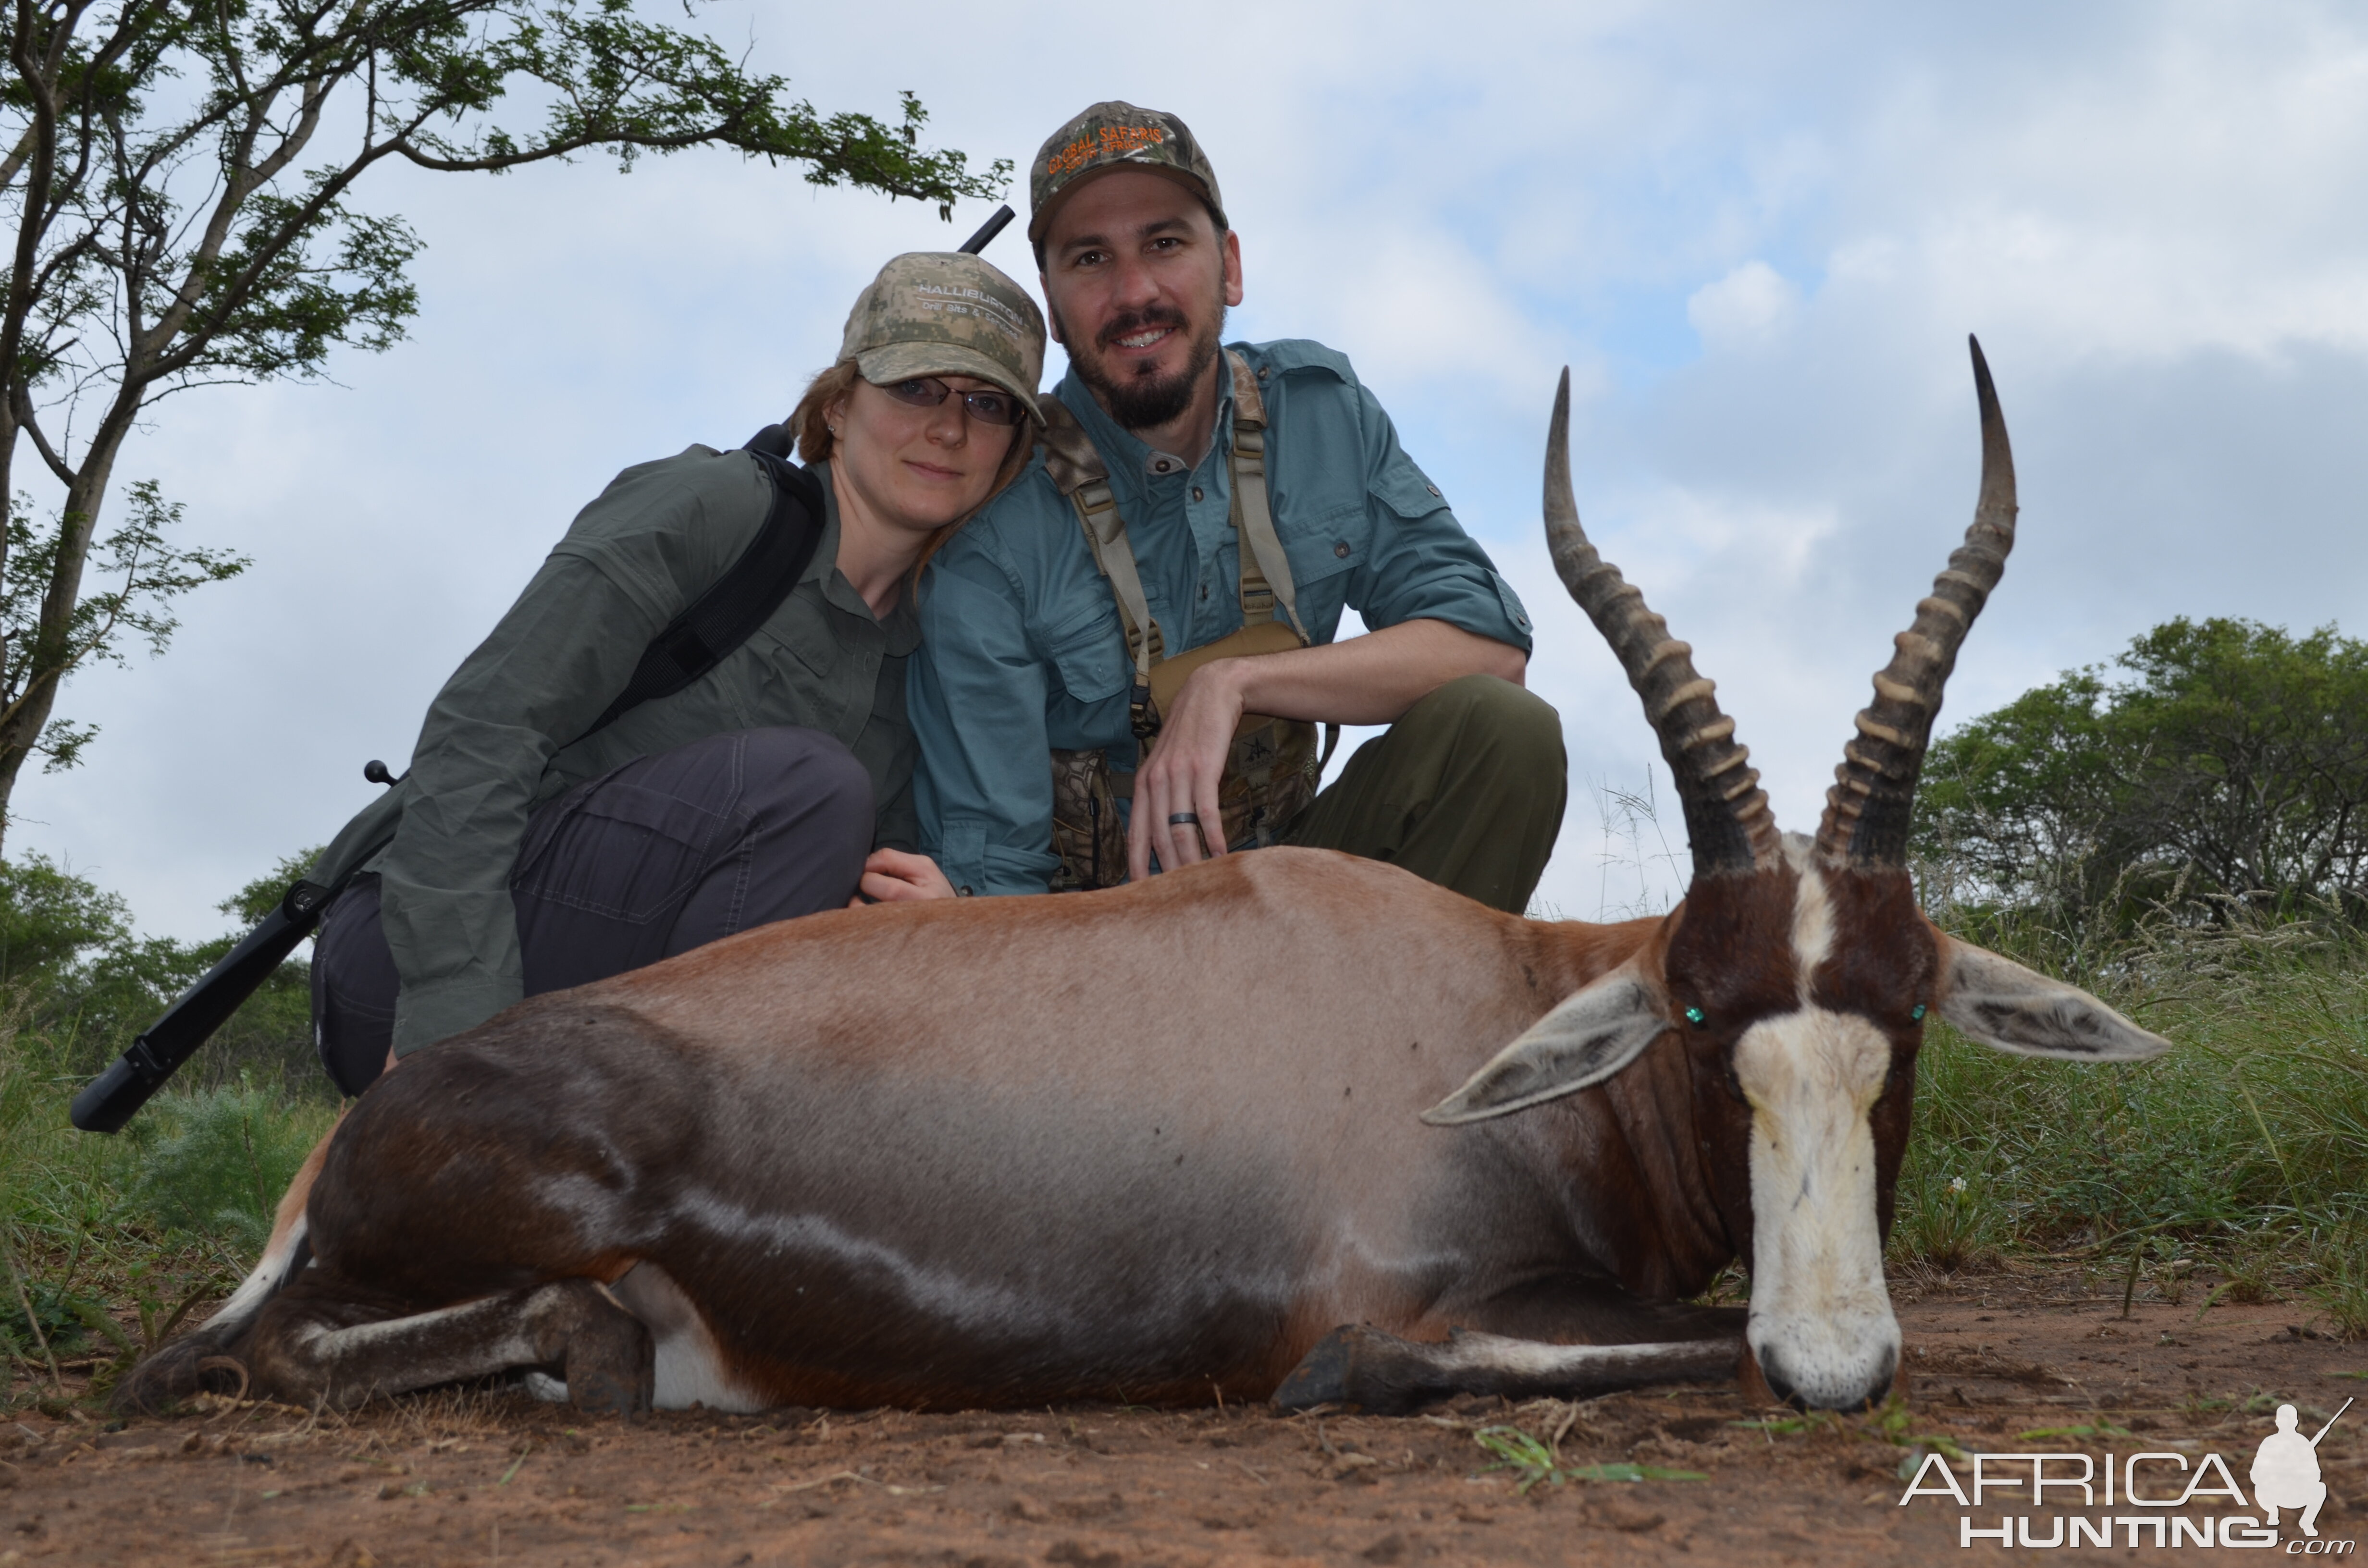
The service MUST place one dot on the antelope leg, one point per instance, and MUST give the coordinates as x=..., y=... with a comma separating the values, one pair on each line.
x=315, y=1343
x=1386, y=1375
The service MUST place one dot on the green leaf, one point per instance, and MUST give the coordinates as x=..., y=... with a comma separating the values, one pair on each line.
x=1633, y=1472
x=199, y=224
x=1532, y=1461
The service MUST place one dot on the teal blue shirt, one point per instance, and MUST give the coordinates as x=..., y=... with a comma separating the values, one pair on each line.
x=1021, y=649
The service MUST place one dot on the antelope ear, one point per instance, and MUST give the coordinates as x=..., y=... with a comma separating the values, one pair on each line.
x=1588, y=1036
x=2001, y=1004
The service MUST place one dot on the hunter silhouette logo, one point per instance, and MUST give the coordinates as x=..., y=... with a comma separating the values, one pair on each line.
x=2285, y=1471
x=2164, y=1491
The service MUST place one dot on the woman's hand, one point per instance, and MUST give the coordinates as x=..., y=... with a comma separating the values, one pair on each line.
x=890, y=875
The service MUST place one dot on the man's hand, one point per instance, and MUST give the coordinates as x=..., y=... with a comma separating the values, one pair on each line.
x=1371, y=679
x=891, y=875
x=1182, y=773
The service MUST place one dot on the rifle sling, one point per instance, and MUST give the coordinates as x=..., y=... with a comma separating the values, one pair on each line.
x=703, y=634
x=709, y=629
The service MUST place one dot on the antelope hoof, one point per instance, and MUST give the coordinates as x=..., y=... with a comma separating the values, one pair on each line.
x=188, y=1366
x=602, y=1393
x=1364, y=1369
x=611, y=1367
x=1321, y=1376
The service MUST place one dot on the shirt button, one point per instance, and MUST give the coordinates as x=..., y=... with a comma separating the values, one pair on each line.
x=1340, y=551
x=1434, y=490
x=1196, y=493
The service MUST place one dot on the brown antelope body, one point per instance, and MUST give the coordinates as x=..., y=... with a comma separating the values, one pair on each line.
x=1013, y=1151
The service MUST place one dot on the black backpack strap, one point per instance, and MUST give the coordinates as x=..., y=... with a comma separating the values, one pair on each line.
x=693, y=643
x=712, y=625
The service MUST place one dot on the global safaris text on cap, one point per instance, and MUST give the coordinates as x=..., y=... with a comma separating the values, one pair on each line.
x=1116, y=135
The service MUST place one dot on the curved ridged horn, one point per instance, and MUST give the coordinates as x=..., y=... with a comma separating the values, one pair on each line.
x=1868, y=809
x=1727, y=820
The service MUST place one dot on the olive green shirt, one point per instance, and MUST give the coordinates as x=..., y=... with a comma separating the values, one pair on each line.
x=500, y=739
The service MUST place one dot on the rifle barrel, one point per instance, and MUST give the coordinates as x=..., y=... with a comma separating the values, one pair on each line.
x=110, y=1100
x=167, y=1043
x=988, y=230
x=2331, y=1420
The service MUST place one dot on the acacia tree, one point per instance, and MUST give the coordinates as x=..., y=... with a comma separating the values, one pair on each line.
x=2227, y=767
x=177, y=173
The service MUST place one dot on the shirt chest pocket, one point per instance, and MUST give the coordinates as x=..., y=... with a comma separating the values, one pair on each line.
x=1323, y=551
x=1089, y=654
x=803, y=637
x=790, y=675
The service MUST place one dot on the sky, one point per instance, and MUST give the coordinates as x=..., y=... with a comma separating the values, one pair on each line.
x=1757, y=235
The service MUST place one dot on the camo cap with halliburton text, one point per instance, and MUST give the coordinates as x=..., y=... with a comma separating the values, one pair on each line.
x=945, y=313
x=1117, y=135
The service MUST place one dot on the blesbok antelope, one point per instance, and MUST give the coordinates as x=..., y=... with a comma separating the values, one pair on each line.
x=1168, y=1138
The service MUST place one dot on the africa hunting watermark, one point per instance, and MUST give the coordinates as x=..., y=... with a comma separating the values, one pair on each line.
x=2284, y=1476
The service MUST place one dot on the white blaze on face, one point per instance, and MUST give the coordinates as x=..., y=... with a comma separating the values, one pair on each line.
x=1821, y=1323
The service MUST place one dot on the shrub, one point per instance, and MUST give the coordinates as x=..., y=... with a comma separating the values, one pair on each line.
x=215, y=1163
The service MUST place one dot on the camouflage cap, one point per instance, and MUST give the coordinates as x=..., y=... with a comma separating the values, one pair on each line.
x=1117, y=135
x=946, y=313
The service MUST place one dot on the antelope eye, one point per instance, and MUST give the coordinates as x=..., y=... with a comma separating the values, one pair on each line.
x=1916, y=1014
x=1697, y=1018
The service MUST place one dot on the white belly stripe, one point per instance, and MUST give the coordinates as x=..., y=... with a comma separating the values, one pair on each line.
x=691, y=1368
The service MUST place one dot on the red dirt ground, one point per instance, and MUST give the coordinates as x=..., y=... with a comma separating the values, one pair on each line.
x=484, y=1478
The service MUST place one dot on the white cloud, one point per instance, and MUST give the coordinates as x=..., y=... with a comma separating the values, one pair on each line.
x=1747, y=309
x=2146, y=210
x=2184, y=188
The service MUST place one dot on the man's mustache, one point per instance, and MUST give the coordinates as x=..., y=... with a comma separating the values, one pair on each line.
x=1136, y=320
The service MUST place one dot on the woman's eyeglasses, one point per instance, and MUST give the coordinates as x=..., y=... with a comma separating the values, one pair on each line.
x=987, y=407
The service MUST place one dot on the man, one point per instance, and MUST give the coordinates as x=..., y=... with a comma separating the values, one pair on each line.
x=1107, y=598
x=2285, y=1472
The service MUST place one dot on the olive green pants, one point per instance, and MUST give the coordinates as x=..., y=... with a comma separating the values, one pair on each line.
x=1465, y=790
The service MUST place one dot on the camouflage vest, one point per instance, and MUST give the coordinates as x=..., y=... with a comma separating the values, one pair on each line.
x=1272, y=770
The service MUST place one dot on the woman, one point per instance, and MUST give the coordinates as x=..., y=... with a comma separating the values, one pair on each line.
x=531, y=855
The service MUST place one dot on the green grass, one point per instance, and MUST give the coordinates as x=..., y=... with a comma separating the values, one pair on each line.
x=215, y=1163
x=105, y=1243
x=1532, y=1460
x=2242, y=1153
x=2245, y=1149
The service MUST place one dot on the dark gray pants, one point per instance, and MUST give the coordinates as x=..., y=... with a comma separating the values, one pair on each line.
x=662, y=855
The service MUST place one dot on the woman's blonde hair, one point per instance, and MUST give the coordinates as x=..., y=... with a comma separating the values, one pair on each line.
x=811, y=425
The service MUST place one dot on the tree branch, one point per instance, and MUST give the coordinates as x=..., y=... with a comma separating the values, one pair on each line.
x=166, y=237
x=30, y=425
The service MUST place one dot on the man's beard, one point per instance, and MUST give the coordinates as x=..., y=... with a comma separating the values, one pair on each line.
x=1141, y=401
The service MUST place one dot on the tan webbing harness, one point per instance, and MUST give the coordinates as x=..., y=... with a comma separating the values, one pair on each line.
x=1272, y=770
